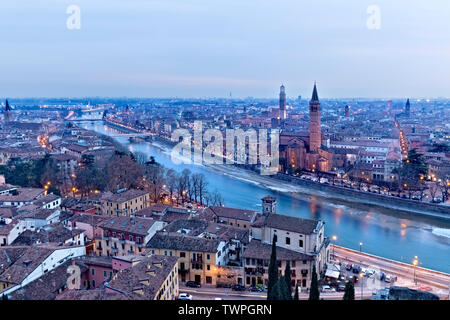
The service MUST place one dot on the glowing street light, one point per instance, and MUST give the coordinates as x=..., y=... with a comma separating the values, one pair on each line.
x=360, y=246
x=415, y=262
x=361, y=275
x=334, y=238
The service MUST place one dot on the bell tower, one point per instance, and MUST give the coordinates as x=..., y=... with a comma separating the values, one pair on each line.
x=282, y=103
x=315, y=132
x=269, y=205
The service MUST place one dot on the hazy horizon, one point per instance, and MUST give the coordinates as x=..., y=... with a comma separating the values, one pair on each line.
x=206, y=49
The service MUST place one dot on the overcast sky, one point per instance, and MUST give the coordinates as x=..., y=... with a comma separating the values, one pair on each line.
x=209, y=48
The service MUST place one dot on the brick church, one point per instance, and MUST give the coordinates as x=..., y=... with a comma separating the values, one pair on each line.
x=304, y=150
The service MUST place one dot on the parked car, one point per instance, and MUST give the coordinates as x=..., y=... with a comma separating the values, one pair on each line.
x=387, y=278
x=184, y=296
x=193, y=284
x=341, y=287
x=238, y=287
x=369, y=272
x=349, y=267
x=223, y=285
x=356, y=269
x=327, y=288
x=255, y=289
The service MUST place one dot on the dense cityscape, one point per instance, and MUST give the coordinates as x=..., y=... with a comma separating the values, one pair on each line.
x=223, y=159
x=128, y=227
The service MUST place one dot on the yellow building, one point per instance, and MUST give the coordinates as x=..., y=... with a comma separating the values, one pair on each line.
x=198, y=258
x=125, y=203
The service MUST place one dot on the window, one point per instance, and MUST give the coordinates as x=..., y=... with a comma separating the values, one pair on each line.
x=170, y=253
x=208, y=256
x=93, y=272
x=165, y=252
x=105, y=274
x=288, y=240
x=300, y=243
x=182, y=254
x=208, y=267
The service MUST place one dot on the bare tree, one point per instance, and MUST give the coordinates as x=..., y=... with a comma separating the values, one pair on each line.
x=155, y=177
x=434, y=190
x=183, y=184
x=202, y=185
x=171, y=182
x=214, y=198
x=140, y=157
x=123, y=172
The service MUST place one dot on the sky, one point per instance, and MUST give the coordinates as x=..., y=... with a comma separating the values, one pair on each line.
x=211, y=48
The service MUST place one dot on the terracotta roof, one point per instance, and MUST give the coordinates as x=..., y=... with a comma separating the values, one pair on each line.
x=232, y=213
x=147, y=275
x=125, y=196
x=293, y=224
x=92, y=295
x=25, y=195
x=179, y=241
x=132, y=225
x=22, y=261
x=54, y=233
x=47, y=286
x=259, y=250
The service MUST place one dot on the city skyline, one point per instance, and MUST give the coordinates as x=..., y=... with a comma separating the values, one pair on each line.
x=157, y=49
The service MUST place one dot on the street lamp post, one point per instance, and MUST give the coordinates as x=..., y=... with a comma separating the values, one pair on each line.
x=415, y=262
x=360, y=246
x=361, y=275
x=334, y=238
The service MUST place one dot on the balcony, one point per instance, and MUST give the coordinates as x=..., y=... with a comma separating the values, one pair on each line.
x=183, y=271
x=197, y=261
x=255, y=271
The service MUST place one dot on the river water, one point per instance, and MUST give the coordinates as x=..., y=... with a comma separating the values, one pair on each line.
x=382, y=232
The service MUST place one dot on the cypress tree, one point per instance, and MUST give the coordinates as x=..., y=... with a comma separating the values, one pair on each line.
x=276, y=292
x=296, y=293
x=314, y=293
x=285, y=293
x=287, y=277
x=349, y=291
x=273, y=271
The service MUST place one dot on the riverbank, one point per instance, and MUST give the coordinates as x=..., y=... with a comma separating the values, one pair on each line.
x=336, y=194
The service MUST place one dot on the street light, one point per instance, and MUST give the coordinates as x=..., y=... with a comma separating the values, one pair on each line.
x=334, y=238
x=360, y=246
x=361, y=275
x=415, y=262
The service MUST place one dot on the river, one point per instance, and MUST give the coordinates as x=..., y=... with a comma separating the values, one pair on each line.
x=382, y=232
